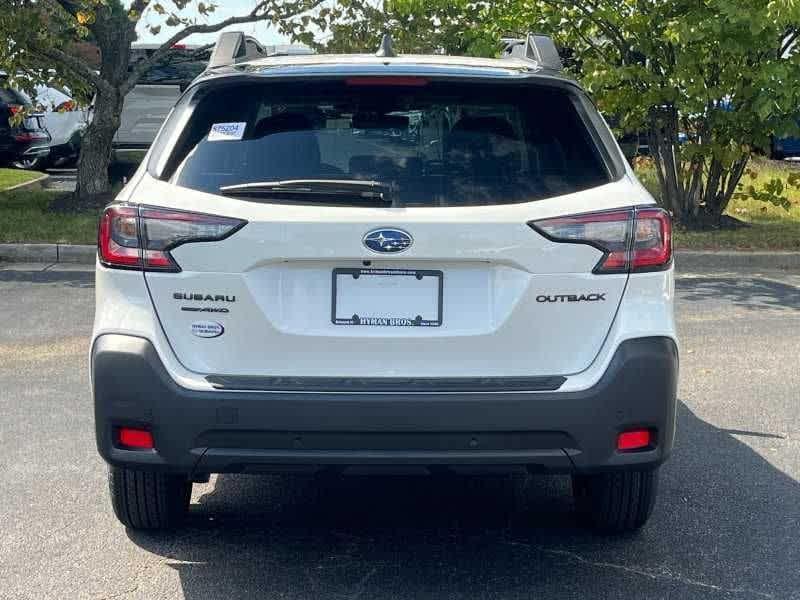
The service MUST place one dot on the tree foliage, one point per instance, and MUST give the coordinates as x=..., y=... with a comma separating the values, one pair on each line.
x=720, y=74
x=42, y=35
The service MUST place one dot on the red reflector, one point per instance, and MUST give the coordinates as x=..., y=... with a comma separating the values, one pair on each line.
x=136, y=438
x=400, y=81
x=634, y=440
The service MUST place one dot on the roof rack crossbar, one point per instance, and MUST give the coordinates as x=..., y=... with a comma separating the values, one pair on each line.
x=536, y=48
x=234, y=47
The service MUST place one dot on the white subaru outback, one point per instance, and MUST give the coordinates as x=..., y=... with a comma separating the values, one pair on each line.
x=330, y=263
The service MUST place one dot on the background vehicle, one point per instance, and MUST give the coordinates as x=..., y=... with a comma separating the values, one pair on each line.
x=25, y=144
x=65, y=121
x=149, y=102
x=492, y=293
x=786, y=147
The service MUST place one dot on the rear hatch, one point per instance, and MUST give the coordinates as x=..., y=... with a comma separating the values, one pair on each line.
x=18, y=135
x=385, y=228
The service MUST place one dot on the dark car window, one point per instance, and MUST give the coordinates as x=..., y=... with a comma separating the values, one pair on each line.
x=438, y=144
x=11, y=96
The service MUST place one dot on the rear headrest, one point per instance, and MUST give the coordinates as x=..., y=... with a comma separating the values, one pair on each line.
x=489, y=125
x=282, y=123
x=289, y=145
x=484, y=147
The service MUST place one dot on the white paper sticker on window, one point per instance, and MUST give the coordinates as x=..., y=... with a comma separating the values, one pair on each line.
x=226, y=131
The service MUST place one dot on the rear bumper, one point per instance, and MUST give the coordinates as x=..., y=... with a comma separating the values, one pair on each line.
x=18, y=151
x=223, y=431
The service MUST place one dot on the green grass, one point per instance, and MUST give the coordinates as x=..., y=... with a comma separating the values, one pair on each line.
x=772, y=227
x=11, y=177
x=24, y=217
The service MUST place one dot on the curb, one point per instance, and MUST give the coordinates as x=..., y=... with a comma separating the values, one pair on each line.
x=48, y=253
x=30, y=183
x=686, y=260
x=700, y=260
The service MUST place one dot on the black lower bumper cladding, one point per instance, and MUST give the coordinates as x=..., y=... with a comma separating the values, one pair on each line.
x=255, y=431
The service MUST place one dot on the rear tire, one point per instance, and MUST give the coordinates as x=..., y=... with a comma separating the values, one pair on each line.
x=616, y=502
x=29, y=164
x=149, y=500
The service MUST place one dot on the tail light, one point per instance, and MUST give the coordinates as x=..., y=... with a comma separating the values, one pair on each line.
x=131, y=237
x=30, y=136
x=15, y=108
x=632, y=240
x=66, y=106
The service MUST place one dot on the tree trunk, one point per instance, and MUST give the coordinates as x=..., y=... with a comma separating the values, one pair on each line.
x=663, y=142
x=114, y=33
x=93, y=185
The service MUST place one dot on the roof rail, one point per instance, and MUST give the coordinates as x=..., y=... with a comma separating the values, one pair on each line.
x=233, y=47
x=535, y=48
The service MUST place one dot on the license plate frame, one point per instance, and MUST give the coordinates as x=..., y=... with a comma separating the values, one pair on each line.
x=391, y=320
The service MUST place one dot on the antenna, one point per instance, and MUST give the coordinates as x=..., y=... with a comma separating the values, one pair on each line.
x=386, y=48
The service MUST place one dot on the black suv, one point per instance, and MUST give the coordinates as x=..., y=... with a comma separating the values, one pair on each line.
x=21, y=144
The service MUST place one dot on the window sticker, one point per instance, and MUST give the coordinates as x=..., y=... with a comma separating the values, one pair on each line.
x=221, y=132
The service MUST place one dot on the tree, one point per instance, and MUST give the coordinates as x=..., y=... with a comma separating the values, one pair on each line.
x=416, y=26
x=722, y=73
x=46, y=34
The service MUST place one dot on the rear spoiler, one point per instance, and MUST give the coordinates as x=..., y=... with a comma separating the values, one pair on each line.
x=536, y=48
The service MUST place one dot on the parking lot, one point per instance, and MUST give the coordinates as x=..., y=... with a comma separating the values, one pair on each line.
x=727, y=523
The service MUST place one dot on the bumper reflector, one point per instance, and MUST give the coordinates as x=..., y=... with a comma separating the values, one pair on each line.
x=634, y=440
x=137, y=439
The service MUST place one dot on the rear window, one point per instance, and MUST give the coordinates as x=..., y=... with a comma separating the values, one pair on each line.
x=435, y=144
x=10, y=96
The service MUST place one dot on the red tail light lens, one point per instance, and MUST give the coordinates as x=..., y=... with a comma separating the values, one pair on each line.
x=30, y=136
x=66, y=106
x=142, y=237
x=15, y=108
x=118, y=237
x=633, y=240
x=652, y=244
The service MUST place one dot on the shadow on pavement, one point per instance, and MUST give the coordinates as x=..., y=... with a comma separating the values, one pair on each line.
x=750, y=292
x=726, y=525
x=78, y=279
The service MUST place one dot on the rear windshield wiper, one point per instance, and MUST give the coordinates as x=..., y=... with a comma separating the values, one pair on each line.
x=357, y=189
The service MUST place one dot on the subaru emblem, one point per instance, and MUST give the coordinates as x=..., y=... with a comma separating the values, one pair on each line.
x=388, y=240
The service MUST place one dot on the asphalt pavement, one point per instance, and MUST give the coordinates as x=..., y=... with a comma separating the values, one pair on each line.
x=727, y=523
